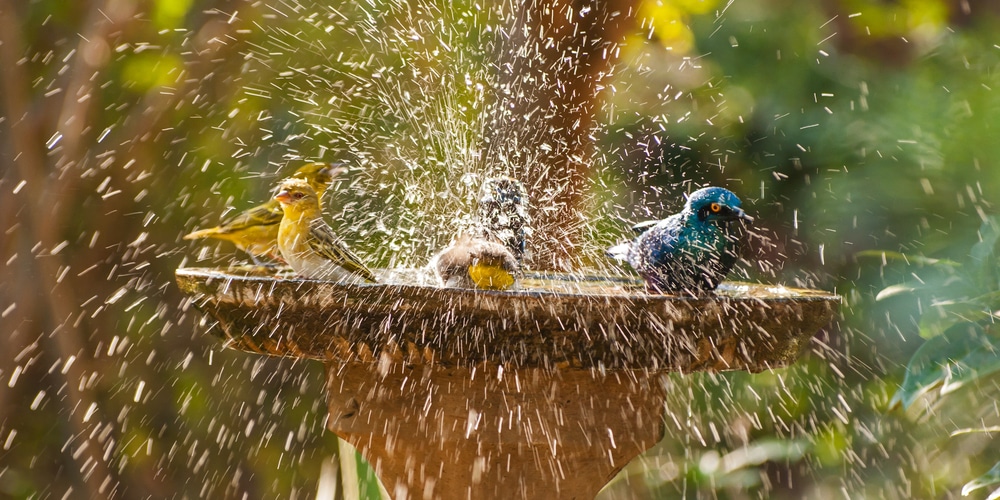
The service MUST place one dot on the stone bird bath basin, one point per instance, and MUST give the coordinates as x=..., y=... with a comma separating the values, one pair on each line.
x=546, y=391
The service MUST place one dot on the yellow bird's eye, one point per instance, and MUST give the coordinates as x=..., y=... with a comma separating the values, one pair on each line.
x=715, y=207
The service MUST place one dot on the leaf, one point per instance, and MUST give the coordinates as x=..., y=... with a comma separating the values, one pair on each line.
x=991, y=477
x=982, y=360
x=975, y=430
x=951, y=286
x=902, y=288
x=761, y=451
x=984, y=254
x=945, y=313
x=983, y=251
x=962, y=353
x=919, y=260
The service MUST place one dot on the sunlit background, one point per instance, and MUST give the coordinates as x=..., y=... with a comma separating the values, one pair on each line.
x=844, y=125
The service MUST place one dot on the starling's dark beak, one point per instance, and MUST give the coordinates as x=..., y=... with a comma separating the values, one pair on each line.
x=740, y=214
x=283, y=196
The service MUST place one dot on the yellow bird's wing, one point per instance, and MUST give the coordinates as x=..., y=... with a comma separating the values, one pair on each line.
x=324, y=242
x=262, y=215
x=267, y=214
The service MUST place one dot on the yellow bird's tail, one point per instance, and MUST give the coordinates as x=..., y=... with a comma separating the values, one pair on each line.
x=202, y=233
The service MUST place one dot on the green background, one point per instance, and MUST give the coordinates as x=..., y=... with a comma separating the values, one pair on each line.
x=844, y=125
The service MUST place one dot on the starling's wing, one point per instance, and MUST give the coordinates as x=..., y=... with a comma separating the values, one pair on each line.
x=660, y=244
x=324, y=242
x=658, y=255
x=621, y=251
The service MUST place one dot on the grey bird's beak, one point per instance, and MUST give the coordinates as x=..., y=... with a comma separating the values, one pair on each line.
x=743, y=215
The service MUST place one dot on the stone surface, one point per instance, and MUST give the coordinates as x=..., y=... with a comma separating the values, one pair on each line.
x=435, y=432
x=543, y=392
x=560, y=321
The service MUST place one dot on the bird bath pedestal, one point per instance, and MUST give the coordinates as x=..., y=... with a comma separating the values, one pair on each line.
x=543, y=392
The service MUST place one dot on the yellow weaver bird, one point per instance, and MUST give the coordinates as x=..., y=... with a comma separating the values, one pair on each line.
x=255, y=231
x=307, y=243
x=488, y=256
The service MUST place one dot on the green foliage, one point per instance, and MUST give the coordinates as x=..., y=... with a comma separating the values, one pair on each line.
x=963, y=343
x=986, y=259
x=739, y=468
x=845, y=125
x=969, y=293
x=961, y=354
x=147, y=71
x=169, y=14
x=992, y=477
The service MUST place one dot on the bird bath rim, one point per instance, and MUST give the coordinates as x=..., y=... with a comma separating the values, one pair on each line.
x=555, y=320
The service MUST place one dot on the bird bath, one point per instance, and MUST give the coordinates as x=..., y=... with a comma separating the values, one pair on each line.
x=546, y=391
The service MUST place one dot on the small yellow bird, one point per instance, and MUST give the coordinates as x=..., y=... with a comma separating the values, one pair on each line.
x=476, y=263
x=255, y=231
x=307, y=243
x=488, y=255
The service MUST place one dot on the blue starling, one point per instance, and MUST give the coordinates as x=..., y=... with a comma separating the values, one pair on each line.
x=488, y=255
x=691, y=251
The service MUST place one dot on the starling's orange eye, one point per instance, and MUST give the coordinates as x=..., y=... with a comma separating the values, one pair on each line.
x=715, y=207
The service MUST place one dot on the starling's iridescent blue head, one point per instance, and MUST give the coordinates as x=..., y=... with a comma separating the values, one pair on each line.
x=715, y=203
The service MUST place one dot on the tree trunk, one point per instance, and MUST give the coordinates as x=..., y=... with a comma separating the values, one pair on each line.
x=553, y=61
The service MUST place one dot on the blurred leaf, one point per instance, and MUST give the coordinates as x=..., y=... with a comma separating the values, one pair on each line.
x=945, y=313
x=900, y=289
x=919, y=260
x=975, y=430
x=752, y=455
x=986, y=248
x=991, y=477
x=148, y=71
x=982, y=360
x=989, y=301
x=934, y=285
x=169, y=14
x=764, y=450
x=984, y=254
x=962, y=353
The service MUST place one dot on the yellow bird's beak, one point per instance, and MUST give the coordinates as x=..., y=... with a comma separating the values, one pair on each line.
x=283, y=196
